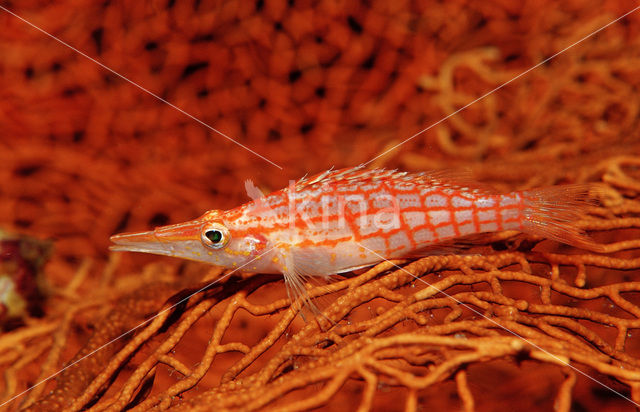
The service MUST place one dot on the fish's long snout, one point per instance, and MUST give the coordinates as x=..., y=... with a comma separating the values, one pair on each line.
x=145, y=242
x=162, y=241
x=133, y=242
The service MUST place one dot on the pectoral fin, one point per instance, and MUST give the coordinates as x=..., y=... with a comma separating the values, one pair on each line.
x=302, y=267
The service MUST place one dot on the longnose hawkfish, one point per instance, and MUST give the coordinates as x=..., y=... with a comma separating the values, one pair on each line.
x=342, y=220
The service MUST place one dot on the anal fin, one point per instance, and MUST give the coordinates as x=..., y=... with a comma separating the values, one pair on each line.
x=458, y=246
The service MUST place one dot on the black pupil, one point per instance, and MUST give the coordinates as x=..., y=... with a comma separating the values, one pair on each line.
x=215, y=236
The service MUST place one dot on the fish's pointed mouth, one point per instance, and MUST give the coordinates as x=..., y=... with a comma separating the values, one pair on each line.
x=163, y=240
x=146, y=242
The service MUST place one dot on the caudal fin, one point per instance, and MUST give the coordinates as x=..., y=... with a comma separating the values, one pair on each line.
x=551, y=212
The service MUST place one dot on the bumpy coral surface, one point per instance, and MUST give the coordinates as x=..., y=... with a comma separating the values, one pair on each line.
x=518, y=323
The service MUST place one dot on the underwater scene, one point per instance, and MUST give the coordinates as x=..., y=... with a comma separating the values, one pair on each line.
x=319, y=205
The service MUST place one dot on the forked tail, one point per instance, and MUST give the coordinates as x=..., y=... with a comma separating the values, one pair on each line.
x=551, y=212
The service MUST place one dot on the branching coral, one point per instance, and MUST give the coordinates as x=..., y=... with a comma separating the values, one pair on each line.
x=410, y=325
x=516, y=323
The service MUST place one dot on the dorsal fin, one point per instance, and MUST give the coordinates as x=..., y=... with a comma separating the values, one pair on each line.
x=454, y=178
x=252, y=190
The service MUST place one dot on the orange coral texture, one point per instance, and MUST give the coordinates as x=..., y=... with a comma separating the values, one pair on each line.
x=85, y=154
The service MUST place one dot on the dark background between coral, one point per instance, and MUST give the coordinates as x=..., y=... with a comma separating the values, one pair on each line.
x=85, y=154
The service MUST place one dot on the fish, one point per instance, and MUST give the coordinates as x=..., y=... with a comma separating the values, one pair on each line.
x=346, y=219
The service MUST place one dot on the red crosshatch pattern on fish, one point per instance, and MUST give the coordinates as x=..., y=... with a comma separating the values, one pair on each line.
x=341, y=220
x=391, y=212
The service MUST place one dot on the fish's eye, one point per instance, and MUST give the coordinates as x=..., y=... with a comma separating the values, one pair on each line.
x=215, y=236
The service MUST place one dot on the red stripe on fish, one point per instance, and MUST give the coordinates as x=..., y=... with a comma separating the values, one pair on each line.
x=340, y=220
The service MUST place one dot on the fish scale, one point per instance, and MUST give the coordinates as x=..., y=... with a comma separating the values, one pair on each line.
x=341, y=220
x=337, y=208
